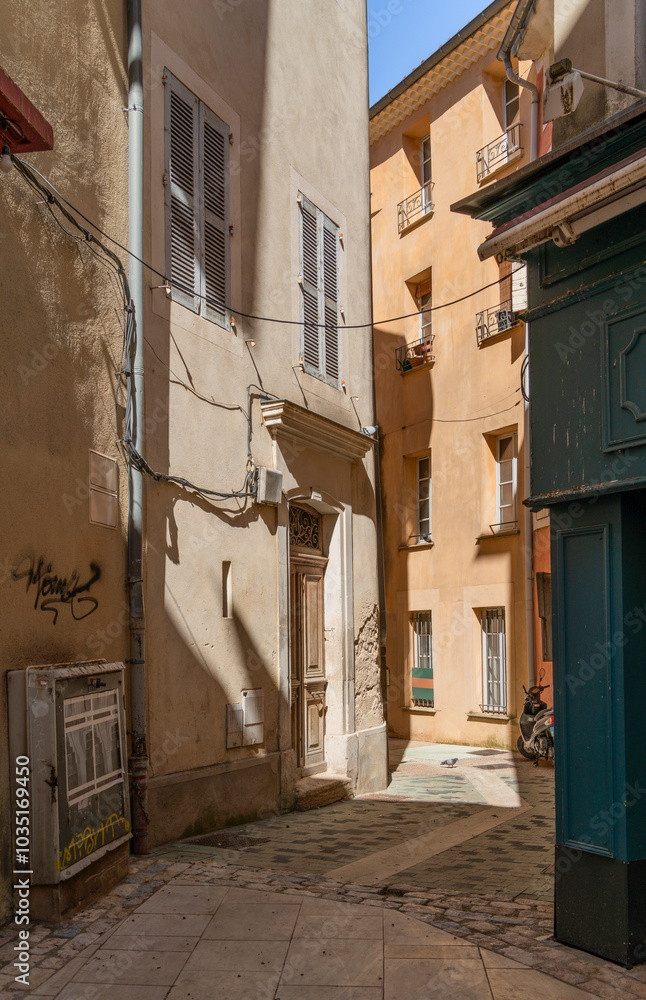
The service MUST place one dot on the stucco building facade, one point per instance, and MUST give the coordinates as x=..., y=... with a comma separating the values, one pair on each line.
x=449, y=375
x=254, y=601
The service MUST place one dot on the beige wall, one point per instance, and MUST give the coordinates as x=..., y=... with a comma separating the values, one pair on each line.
x=284, y=117
x=453, y=410
x=61, y=346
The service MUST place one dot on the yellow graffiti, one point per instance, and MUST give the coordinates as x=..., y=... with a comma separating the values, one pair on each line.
x=83, y=844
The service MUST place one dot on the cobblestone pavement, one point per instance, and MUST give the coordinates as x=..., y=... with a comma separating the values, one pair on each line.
x=498, y=923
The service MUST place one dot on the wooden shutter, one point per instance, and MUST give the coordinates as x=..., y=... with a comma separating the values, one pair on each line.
x=320, y=291
x=214, y=161
x=519, y=286
x=182, y=185
x=310, y=287
x=331, y=300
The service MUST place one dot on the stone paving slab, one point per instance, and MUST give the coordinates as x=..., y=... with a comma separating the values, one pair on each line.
x=456, y=929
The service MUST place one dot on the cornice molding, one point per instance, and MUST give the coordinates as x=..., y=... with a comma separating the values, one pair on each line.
x=281, y=417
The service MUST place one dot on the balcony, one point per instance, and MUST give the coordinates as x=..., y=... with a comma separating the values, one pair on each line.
x=415, y=208
x=499, y=153
x=415, y=355
x=491, y=322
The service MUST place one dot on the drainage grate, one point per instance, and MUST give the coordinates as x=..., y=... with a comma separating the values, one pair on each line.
x=228, y=841
x=484, y=753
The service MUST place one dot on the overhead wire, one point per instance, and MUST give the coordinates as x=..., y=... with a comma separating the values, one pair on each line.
x=169, y=283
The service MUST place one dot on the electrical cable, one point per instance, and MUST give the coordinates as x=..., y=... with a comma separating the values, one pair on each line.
x=468, y=420
x=523, y=373
x=235, y=312
x=134, y=457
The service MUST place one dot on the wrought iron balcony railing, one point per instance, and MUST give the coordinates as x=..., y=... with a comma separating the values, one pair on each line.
x=491, y=322
x=415, y=207
x=498, y=152
x=414, y=355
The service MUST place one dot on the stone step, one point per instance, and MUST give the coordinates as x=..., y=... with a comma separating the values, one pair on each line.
x=321, y=790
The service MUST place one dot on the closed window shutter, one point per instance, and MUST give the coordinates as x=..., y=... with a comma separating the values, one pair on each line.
x=197, y=203
x=519, y=287
x=310, y=288
x=181, y=187
x=215, y=222
x=320, y=292
x=331, y=296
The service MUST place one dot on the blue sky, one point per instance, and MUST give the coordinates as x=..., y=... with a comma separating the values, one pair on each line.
x=402, y=33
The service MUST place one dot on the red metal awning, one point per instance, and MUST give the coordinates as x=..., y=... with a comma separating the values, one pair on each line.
x=37, y=133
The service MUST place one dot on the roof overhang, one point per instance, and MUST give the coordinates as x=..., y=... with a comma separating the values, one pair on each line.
x=481, y=36
x=37, y=133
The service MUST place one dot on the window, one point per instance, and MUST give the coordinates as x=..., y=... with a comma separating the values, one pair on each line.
x=425, y=156
x=422, y=693
x=510, y=104
x=494, y=661
x=92, y=745
x=423, y=298
x=197, y=203
x=506, y=462
x=319, y=281
x=424, y=499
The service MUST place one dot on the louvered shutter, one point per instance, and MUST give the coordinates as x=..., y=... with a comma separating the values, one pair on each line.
x=214, y=235
x=519, y=287
x=182, y=185
x=331, y=300
x=311, y=346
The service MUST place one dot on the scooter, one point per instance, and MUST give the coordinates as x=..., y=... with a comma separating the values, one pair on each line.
x=536, y=726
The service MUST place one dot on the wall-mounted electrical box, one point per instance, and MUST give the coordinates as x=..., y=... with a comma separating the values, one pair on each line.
x=69, y=720
x=270, y=486
x=246, y=721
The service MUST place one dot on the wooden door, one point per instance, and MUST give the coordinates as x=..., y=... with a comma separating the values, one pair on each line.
x=308, y=662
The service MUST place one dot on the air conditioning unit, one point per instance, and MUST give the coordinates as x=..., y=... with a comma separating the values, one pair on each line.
x=67, y=728
x=270, y=486
x=504, y=319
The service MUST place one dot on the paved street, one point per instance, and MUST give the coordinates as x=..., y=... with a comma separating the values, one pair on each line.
x=435, y=888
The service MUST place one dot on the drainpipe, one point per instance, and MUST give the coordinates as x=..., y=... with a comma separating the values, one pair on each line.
x=510, y=44
x=139, y=754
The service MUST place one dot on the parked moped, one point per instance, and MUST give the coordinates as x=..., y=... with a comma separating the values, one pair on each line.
x=536, y=726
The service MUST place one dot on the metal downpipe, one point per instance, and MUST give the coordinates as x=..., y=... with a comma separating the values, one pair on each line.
x=139, y=752
x=516, y=25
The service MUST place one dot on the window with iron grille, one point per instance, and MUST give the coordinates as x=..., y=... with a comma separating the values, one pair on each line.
x=319, y=281
x=494, y=661
x=197, y=203
x=422, y=686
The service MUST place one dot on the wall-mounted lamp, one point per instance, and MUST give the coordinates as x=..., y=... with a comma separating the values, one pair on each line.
x=6, y=163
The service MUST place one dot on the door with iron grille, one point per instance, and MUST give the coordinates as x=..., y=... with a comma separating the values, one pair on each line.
x=307, y=645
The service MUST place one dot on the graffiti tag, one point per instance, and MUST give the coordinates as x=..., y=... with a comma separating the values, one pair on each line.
x=52, y=591
x=85, y=843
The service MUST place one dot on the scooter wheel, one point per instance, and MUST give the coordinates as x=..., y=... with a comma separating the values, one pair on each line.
x=521, y=749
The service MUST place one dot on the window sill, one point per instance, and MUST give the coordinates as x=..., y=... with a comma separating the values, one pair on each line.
x=418, y=708
x=490, y=172
x=418, y=368
x=517, y=325
x=490, y=716
x=425, y=214
x=498, y=534
x=417, y=545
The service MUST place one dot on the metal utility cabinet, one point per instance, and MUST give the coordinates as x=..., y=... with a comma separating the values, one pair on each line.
x=69, y=720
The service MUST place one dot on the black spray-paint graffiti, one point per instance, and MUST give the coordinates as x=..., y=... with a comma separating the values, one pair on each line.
x=51, y=591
